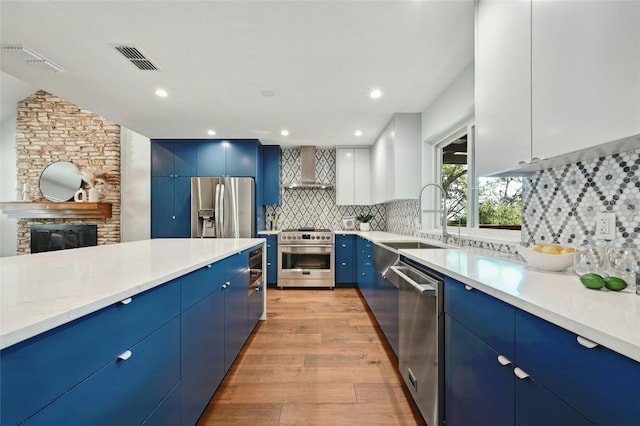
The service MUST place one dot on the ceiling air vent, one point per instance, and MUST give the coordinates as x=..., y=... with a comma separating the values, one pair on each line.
x=32, y=57
x=136, y=58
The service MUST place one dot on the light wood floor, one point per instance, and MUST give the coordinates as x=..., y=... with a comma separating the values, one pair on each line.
x=318, y=360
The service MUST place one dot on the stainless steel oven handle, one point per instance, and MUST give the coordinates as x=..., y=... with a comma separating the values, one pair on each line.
x=306, y=246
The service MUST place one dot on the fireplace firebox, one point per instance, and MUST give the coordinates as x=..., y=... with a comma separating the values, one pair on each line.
x=62, y=237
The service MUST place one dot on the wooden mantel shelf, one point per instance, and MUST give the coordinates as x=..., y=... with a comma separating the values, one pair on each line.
x=50, y=210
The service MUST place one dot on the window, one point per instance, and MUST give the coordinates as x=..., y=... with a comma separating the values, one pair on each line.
x=475, y=202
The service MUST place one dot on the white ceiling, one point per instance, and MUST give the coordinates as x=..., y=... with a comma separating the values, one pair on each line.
x=215, y=58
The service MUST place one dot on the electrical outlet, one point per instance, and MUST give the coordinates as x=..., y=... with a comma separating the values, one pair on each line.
x=605, y=226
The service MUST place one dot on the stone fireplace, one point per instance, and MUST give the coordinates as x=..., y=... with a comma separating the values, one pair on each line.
x=50, y=129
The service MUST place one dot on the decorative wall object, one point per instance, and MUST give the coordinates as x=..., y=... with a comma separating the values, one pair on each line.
x=560, y=205
x=50, y=129
x=316, y=207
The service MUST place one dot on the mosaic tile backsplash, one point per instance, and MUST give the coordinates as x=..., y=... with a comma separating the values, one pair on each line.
x=317, y=207
x=560, y=205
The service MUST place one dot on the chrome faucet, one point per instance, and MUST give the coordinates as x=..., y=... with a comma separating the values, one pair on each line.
x=445, y=235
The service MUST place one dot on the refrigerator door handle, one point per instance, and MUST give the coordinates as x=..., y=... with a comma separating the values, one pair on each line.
x=221, y=212
x=218, y=211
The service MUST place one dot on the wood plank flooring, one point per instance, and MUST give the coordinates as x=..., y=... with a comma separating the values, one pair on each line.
x=319, y=359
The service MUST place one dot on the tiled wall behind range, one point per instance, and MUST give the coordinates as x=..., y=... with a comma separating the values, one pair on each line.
x=561, y=204
x=316, y=207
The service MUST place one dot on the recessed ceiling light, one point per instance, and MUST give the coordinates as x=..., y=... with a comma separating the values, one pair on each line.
x=162, y=93
x=211, y=132
x=375, y=94
x=284, y=133
x=357, y=133
x=267, y=93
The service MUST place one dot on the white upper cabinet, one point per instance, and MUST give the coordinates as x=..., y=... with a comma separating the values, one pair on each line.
x=585, y=74
x=553, y=78
x=396, y=160
x=503, y=85
x=380, y=167
x=353, y=176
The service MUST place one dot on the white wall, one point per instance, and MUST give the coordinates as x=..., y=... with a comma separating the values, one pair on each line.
x=12, y=90
x=135, y=184
x=452, y=109
x=8, y=226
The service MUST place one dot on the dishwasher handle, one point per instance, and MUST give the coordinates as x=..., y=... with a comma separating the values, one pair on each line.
x=426, y=288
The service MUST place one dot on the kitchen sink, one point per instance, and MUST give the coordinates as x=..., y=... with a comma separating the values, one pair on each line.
x=408, y=245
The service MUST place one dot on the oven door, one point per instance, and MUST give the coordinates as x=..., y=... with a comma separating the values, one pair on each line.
x=306, y=265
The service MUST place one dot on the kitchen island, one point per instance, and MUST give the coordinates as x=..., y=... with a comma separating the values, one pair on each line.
x=125, y=333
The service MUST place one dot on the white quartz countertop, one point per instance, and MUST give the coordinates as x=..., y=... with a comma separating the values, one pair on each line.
x=609, y=318
x=39, y=292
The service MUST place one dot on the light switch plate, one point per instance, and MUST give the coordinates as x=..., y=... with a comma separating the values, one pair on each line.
x=605, y=226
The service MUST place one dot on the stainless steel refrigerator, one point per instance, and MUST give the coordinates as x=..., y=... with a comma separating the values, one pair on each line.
x=222, y=207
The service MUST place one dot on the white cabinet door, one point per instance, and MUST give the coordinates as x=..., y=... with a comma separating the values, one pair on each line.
x=503, y=85
x=585, y=75
x=407, y=157
x=345, y=176
x=362, y=175
x=353, y=176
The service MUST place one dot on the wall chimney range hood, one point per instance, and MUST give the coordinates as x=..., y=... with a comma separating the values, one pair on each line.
x=308, y=171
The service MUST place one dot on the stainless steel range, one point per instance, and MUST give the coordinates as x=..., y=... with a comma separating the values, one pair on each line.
x=305, y=258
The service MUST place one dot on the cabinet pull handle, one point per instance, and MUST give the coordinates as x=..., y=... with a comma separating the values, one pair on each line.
x=344, y=263
x=268, y=263
x=468, y=287
x=208, y=266
x=520, y=374
x=126, y=301
x=344, y=245
x=503, y=360
x=586, y=342
x=124, y=356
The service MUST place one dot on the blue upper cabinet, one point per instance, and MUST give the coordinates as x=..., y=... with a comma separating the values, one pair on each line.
x=228, y=158
x=242, y=158
x=173, y=158
x=211, y=159
x=271, y=174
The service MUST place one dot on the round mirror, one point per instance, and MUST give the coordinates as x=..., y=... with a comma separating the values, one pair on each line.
x=59, y=181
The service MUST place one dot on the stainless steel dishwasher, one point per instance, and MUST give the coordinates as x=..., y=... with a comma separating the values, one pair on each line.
x=421, y=336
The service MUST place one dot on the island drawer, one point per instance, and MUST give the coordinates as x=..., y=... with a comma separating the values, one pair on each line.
x=39, y=370
x=199, y=284
x=487, y=317
x=127, y=390
x=235, y=264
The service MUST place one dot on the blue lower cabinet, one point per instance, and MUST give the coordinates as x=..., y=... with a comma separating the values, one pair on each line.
x=489, y=318
x=389, y=317
x=256, y=308
x=478, y=389
x=272, y=258
x=202, y=354
x=365, y=271
x=536, y=406
x=235, y=316
x=125, y=391
x=599, y=383
x=39, y=370
x=167, y=413
x=345, y=258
